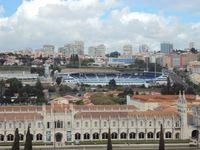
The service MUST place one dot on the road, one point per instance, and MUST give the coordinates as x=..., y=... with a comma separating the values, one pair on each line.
x=115, y=147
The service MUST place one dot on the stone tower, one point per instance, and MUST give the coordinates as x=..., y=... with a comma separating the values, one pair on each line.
x=182, y=112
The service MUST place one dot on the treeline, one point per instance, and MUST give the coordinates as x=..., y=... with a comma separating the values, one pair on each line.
x=12, y=91
x=175, y=88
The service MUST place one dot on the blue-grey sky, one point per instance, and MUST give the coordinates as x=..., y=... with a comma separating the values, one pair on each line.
x=32, y=23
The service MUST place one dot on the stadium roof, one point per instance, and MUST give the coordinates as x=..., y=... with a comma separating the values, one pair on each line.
x=93, y=70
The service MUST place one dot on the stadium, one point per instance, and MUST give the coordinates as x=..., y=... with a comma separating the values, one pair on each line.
x=121, y=78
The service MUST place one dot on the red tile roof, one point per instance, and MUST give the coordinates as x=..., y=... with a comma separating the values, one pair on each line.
x=20, y=116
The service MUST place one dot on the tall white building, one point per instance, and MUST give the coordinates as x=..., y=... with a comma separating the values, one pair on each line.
x=92, y=51
x=100, y=50
x=191, y=45
x=77, y=47
x=127, y=50
x=97, y=51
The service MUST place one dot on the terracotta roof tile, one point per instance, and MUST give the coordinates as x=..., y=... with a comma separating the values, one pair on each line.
x=20, y=116
x=104, y=107
x=125, y=114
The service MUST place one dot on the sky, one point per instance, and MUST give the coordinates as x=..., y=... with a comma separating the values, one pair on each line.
x=33, y=23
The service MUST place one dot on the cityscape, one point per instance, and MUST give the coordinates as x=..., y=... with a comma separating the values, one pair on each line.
x=99, y=74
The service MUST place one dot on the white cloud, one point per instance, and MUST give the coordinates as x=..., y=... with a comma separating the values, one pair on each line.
x=58, y=22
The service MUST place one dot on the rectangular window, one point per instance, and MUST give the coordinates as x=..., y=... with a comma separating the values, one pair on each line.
x=104, y=123
x=123, y=123
x=48, y=124
x=95, y=124
x=114, y=124
x=132, y=123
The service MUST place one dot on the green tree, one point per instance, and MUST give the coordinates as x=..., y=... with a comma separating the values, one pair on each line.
x=59, y=80
x=16, y=140
x=109, y=144
x=14, y=86
x=39, y=91
x=74, y=60
x=64, y=89
x=38, y=70
x=2, y=88
x=112, y=84
x=161, y=141
x=168, y=85
x=28, y=142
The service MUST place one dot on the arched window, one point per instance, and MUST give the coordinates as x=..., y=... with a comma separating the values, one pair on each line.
x=58, y=124
x=21, y=137
x=141, y=135
x=1, y=137
x=177, y=135
x=86, y=136
x=150, y=135
x=168, y=135
x=10, y=137
x=95, y=136
x=150, y=124
x=132, y=135
x=114, y=135
x=104, y=135
x=39, y=137
x=77, y=136
x=158, y=135
x=123, y=135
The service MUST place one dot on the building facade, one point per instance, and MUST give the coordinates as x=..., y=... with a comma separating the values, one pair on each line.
x=60, y=123
x=166, y=47
x=144, y=48
x=127, y=50
x=77, y=47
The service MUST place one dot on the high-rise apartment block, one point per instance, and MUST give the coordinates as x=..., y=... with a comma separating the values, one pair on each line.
x=97, y=51
x=100, y=50
x=92, y=51
x=77, y=47
x=191, y=45
x=127, y=50
x=166, y=47
x=143, y=48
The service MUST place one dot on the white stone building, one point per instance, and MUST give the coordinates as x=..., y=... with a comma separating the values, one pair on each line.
x=59, y=123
